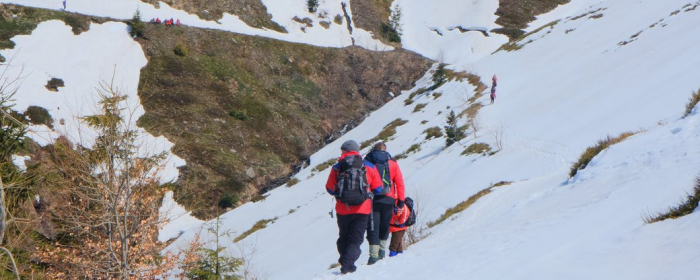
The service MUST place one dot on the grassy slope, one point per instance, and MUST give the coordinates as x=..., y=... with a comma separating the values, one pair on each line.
x=514, y=15
x=294, y=95
x=370, y=14
x=252, y=12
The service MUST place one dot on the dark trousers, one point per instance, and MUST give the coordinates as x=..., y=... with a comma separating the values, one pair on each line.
x=396, y=244
x=352, y=229
x=381, y=214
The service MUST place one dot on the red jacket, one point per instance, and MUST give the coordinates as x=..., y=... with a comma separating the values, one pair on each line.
x=398, y=189
x=373, y=180
x=398, y=220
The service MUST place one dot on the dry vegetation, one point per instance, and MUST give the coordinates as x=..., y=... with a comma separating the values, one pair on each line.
x=594, y=150
x=685, y=207
x=692, y=102
x=386, y=133
x=477, y=148
x=466, y=204
x=257, y=226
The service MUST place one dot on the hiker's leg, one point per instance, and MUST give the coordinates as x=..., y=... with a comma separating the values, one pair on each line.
x=355, y=237
x=395, y=241
x=399, y=236
x=384, y=220
x=373, y=233
x=343, y=227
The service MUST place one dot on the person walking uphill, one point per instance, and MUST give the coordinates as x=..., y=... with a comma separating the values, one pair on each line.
x=494, y=83
x=392, y=195
x=353, y=185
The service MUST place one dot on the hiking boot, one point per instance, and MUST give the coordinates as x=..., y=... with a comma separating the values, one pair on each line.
x=373, y=254
x=344, y=270
x=382, y=249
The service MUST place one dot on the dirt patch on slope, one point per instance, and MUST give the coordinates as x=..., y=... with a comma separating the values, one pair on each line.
x=514, y=15
x=370, y=14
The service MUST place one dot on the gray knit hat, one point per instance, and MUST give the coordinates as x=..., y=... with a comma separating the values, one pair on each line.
x=350, y=145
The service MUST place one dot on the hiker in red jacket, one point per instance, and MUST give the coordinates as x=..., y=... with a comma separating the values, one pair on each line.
x=352, y=219
x=494, y=82
x=397, y=227
x=392, y=195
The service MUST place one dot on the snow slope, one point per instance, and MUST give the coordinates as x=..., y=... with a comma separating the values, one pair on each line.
x=575, y=83
x=283, y=11
x=103, y=53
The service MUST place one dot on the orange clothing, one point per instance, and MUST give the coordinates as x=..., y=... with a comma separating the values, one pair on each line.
x=398, y=220
x=374, y=182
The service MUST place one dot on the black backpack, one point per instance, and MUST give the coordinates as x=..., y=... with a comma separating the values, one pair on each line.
x=352, y=182
x=380, y=159
x=412, y=216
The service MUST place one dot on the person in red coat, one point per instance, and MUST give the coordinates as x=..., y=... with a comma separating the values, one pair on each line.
x=352, y=220
x=384, y=204
x=397, y=227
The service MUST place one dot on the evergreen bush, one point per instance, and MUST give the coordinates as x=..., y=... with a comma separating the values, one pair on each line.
x=312, y=5
x=39, y=115
x=452, y=130
x=137, y=27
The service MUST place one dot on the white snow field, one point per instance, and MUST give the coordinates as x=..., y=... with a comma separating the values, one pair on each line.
x=625, y=65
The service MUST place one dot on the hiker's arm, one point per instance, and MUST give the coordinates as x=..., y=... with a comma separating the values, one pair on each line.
x=374, y=180
x=332, y=180
x=398, y=181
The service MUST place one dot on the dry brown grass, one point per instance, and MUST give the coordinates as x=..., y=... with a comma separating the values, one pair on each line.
x=692, y=102
x=466, y=204
x=386, y=133
x=257, y=226
x=685, y=207
x=594, y=150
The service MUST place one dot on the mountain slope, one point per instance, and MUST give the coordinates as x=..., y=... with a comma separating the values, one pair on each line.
x=570, y=84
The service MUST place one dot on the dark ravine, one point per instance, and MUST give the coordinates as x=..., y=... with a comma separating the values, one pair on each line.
x=291, y=96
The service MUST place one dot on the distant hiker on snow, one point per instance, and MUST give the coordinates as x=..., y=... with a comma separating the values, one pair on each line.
x=494, y=82
x=353, y=186
x=391, y=197
x=64, y=5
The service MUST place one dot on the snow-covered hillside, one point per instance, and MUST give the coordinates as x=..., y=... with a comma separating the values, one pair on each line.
x=283, y=12
x=597, y=68
x=575, y=83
